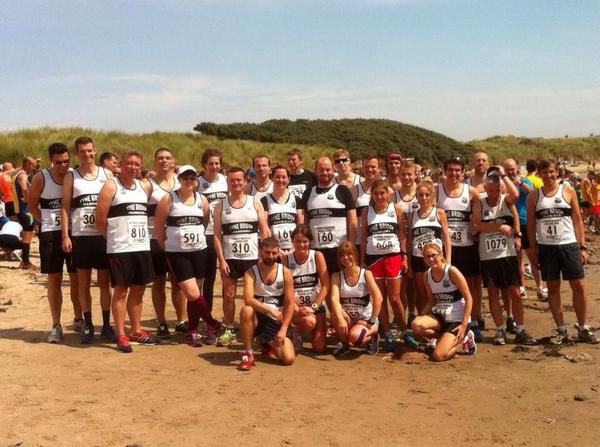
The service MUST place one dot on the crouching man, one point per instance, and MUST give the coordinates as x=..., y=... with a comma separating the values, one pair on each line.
x=268, y=307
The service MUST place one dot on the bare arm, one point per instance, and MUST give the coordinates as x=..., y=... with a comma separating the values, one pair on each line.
x=160, y=218
x=531, y=224
x=577, y=221
x=323, y=278
x=459, y=280
x=65, y=211
x=351, y=221
x=363, y=237
x=445, y=235
x=376, y=298
x=104, y=200
x=263, y=227
x=35, y=191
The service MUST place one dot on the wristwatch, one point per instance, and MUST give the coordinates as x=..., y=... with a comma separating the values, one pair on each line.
x=315, y=306
x=518, y=234
x=583, y=247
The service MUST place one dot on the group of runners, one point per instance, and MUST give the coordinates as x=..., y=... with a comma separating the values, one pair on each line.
x=332, y=252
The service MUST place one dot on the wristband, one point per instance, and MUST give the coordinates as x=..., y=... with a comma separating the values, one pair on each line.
x=583, y=247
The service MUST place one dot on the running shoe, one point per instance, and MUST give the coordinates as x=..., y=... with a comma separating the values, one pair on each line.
x=373, y=346
x=247, y=361
x=587, y=336
x=227, y=337
x=16, y=255
x=525, y=338
x=396, y=331
x=511, y=326
x=481, y=323
x=558, y=336
x=182, y=327
x=500, y=337
x=162, y=331
x=87, y=336
x=431, y=345
x=123, y=344
x=341, y=349
x=469, y=345
x=78, y=325
x=523, y=292
x=542, y=293
x=26, y=266
x=528, y=273
x=108, y=333
x=194, y=339
x=55, y=334
x=410, y=340
x=389, y=341
x=142, y=338
x=477, y=334
x=211, y=334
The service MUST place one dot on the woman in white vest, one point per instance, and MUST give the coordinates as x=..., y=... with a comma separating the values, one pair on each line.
x=179, y=223
x=448, y=309
x=426, y=223
x=311, y=285
x=281, y=209
x=383, y=251
x=355, y=303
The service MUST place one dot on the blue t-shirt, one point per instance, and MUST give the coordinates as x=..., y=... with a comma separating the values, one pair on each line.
x=522, y=202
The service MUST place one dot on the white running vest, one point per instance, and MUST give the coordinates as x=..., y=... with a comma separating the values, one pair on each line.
x=554, y=225
x=214, y=192
x=407, y=205
x=84, y=202
x=356, y=299
x=448, y=302
x=327, y=218
x=306, y=278
x=362, y=202
x=50, y=203
x=157, y=193
x=382, y=231
x=425, y=230
x=281, y=218
x=496, y=245
x=185, y=231
x=128, y=220
x=272, y=294
x=260, y=194
x=240, y=230
x=458, y=214
x=355, y=179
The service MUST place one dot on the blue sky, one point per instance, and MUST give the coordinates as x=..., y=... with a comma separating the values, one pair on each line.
x=465, y=68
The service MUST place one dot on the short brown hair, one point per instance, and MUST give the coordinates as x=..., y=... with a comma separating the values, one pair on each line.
x=345, y=248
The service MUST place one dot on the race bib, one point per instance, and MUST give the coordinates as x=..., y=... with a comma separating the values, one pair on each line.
x=326, y=236
x=458, y=235
x=495, y=243
x=552, y=230
x=88, y=220
x=383, y=242
x=442, y=309
x=240, y=245
x=138, y=232
x=55, y=218
x=284, y=236
x=190, y=237
x=304, y=296
x=421, y=241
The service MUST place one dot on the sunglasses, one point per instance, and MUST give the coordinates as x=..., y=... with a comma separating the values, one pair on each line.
x=187, y=177
x=341, y=160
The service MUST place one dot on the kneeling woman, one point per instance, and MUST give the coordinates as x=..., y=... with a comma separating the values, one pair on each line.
x=179, y=224
x=311, y=285
x=448, y=308
x=355, y=303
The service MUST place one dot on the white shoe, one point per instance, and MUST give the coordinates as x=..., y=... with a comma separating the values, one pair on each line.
x=523, y=292
x=528, y=273
x=55, y=334
x=542, y=293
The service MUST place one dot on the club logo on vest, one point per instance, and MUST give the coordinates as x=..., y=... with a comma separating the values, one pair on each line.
x=205, y=185
x=557, y=200
x=279, y=284
x=464, y=200
x=415, y=206
x=431, y=218
x=227, y=211
x=446, y=283
x=329, y=196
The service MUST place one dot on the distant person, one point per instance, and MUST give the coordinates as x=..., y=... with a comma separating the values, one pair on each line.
x=6, y=194
x=531, y=166
x=480, y=164
x=393, y=162
x=300, y=179
x=109, y=161
x=343, y=167
x=261, y=185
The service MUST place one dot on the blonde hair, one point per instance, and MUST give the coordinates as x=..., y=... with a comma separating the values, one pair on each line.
x=345, y=248
x=428, y=185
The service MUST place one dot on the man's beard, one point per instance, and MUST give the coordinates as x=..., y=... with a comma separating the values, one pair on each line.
x=268, y=262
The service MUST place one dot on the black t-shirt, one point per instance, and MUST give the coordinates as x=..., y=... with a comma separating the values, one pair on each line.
x=302, y=182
